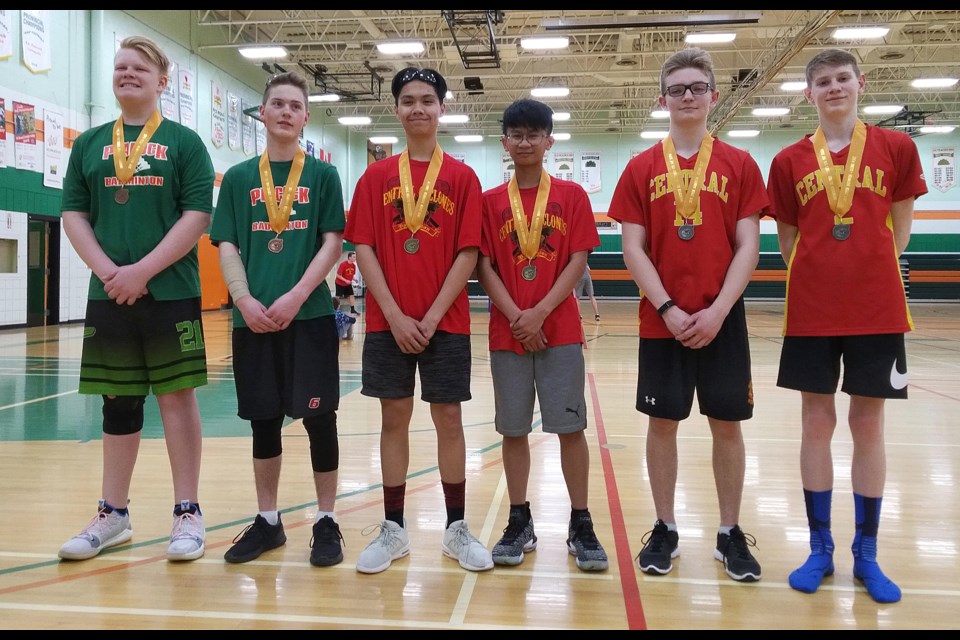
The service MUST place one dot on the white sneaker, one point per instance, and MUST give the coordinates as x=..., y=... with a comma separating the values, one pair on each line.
x=187, y=536
x=461, y=545
x=107, y=529
x=392, y=543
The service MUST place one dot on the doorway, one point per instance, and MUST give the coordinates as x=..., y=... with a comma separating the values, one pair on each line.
x=43, y=270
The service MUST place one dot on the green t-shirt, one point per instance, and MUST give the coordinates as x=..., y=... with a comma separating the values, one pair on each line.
x=241, y=219
x=175, y=174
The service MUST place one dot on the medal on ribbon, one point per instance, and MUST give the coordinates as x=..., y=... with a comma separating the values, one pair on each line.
x=686, y=197
x=415, y=207
x=529, y=236
x=279, y=213
x=840, y=191
x=125, y=165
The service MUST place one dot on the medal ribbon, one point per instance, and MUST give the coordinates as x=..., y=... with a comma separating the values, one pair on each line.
x=279, y=215
x=124, y=165
x=415, y=208
x=840, y=194
x=686, y=198
x=529, y=236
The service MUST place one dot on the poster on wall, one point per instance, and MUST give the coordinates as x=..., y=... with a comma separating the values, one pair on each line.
x=506, y=162
x=6, y=37
x=53, y=165
x=233, y=121
x=3, y=132
x=169, y=103
x=218, y=114
x=261, y=137
x=35, y=39
x=188, y=111
x=249, y=131
x=590, y=171
x=25, y=136
x=377, y=152
x=563, y=165
x=944, y=168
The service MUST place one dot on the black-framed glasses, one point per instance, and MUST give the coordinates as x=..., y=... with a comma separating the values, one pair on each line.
x=533, y=137
x=679, y=90
x=419, y=74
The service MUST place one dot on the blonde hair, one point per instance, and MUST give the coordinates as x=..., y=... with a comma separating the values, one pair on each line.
x=150, y=49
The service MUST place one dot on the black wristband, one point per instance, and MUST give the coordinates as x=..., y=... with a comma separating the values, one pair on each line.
x=666, y=305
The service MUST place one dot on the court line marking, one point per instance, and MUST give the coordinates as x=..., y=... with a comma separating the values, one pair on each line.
x=43, y=399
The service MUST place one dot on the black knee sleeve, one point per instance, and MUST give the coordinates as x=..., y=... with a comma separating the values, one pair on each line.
x=266, y=438
x=122, y=415
x=324, y=447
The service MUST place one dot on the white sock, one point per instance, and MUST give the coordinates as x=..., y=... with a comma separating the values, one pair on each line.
x=671, y=526
x=272, y=517
x=725, y=530
x=324, y=514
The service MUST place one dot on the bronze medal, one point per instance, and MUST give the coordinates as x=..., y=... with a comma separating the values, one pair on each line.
x=529, y=272
x=275, y=245
x=685, y=231
x=412, y=245
x=121, y=196
x=841, y=231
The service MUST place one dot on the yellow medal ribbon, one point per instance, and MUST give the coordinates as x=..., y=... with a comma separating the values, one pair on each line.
x=529, y=236
x=415, y=208
x=125, y=165
x=686, y=197
x=840, y=193
x=279, y=215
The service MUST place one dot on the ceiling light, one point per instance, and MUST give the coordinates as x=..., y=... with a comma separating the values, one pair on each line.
x=263, y=52
x=384, y=139
x=561, y=136
x=400, y=47
x=933, y=83
x=454, y=118
x=707, y=38
x=883, y=108
x=793, y=85
x=743, y=133
x=560, y=42
x=859, y=33
x=771, y=111
x=469, y=138
x=449, y=95
x=660, y=114
x=654, y=135
x=354, y=120
x=941, y=128
x=550, y=92
x=561, y=115
x=324, y=97
x=667, y=20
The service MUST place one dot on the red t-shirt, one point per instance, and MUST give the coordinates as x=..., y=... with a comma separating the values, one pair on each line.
x=568, y=227
x=452, y=224
x=692, y=271
x=345, y=272
x=849, y=287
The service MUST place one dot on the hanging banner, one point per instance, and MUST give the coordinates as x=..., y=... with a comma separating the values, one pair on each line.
x=944, y=168
x=590, y=171
x=35, y=40
x=233, y=121
x=248, y=128
x=169, y=102
x=6, y=35
x=507, y=163
x=53, y=165
x=25, y=136
x=261, y=137
x=563, y=165
x=3, y=133
x=218, y=114
x=188, y=101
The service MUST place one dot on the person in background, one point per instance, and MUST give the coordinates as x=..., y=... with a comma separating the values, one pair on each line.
x=585, y=287
x=344, y=322
x=344, y=280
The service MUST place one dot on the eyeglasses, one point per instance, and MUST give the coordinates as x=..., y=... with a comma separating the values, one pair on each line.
x=679, y=90
x=419, y=74
x=533, y=138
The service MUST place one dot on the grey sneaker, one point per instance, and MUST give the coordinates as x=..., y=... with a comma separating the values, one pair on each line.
x=391, y=543
x=462, y=546
x=660, y=546
x=188, y=533
x=107, y=529
x=582, y=543
x=517, y=539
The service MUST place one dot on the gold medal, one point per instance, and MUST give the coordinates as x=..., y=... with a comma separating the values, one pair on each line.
x=529, y=236
x=121, y=196
x=279, y=214
x=686, y=197
x=840, y=192
x=275, y=245
x=125, y=165
x=415, y=207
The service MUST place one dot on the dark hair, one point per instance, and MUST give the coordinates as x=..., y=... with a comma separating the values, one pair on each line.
x=350, y=254
x=830, y=58
x=291, y=78
x=430, y=76
x=528, y=113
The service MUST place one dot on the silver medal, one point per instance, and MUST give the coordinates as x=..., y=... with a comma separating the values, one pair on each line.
x=685, y=231
x=841, y=231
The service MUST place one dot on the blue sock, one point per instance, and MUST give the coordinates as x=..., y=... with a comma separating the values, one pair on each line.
x=820, y=562
x=865, y=567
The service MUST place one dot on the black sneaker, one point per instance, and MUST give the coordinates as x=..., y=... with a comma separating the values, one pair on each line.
x=659, y=547
x=582, y=543
x=518, y=538
x=325, y=547
x=255, y=539
x=732, y=550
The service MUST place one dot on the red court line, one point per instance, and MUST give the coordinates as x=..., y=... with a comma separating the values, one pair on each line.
x=628, y=576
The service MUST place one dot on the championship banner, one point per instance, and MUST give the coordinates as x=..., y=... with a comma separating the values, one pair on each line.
x=6, y=36
x=233, y=120
x=590, y=171
x=188, y=111
x=563, y=165
x=218, y=114
x=35, y=40
x=944, y=168
x=169, y=100
x=507, y=163
x=249, y=130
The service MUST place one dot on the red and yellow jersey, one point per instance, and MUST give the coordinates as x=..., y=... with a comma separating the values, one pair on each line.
x=345, y=272
x=692, y=271
x=452, y=223
x=568, y=227
x=853, y=286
